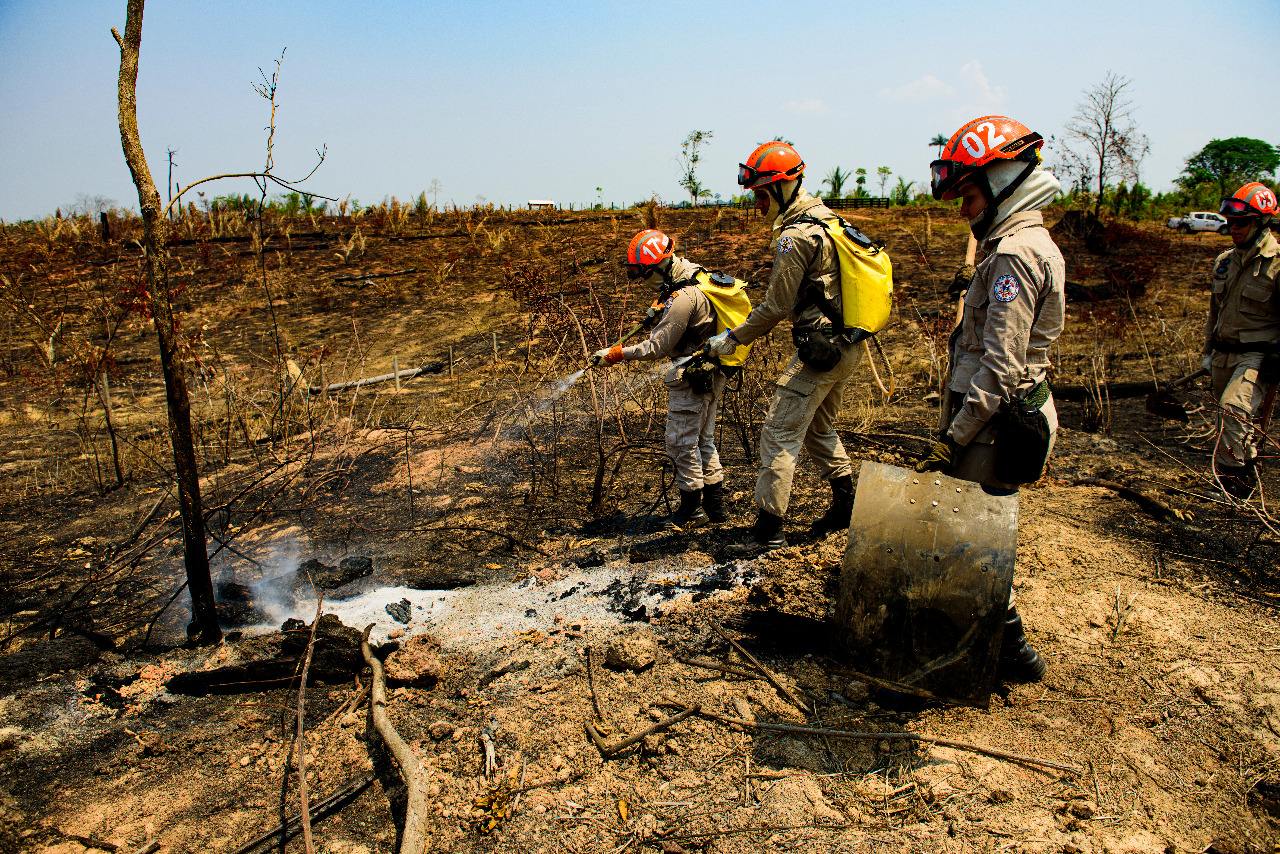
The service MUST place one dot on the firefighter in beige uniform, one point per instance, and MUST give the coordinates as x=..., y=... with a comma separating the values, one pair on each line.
x=806, y=401
x=1242, y=332
x=1014, y=308
x=686, y=322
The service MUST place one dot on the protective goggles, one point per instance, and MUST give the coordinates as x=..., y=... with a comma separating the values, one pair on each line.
x=944, y=175
x=637, y=271
x=1233, y=207
x=748, y=177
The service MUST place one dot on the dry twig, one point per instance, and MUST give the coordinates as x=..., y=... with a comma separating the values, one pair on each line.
x=608, y=750
x=773, y=680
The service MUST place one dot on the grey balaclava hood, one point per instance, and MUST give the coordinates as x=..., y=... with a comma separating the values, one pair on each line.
x=1033, y=194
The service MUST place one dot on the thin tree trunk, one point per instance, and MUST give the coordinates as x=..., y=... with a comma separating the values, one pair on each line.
x=155, y=236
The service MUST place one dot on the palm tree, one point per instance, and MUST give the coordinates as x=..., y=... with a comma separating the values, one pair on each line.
x=938, y=140
x=836, y=179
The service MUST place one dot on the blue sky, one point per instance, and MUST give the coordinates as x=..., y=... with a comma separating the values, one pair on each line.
x=513, y=101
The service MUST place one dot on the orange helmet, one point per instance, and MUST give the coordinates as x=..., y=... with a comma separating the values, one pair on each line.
x=770, y=162
x=1253, y=199
x=646, y=251
x=979, y=143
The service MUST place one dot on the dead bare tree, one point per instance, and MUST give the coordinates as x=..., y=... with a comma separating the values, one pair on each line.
x=1109, y=143
x=155, y=231
x=155, y=239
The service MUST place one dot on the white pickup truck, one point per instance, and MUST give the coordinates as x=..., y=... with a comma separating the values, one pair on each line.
x=1199, y=221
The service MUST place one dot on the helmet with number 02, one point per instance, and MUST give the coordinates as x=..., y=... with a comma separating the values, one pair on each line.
x=980, y=143
x=770, y=162
x=646, y=251
x=1253, y=199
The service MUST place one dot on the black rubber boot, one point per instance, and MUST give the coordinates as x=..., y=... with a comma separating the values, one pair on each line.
x=1019, y=661
x=840, y=512
x=1239, y=481
x=690, y=513
x=713, y=502
x=765, y=536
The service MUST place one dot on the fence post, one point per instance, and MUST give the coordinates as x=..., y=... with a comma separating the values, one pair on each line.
x=450, y=361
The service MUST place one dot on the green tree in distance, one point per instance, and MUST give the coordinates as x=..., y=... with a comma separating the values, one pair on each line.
x=901, y=193
x=1230, y=163
x=883, y=172
x=836, y=180
x=938, y=140
x=689, y=157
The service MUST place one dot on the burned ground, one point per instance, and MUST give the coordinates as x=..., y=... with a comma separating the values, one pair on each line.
x=1154, y=606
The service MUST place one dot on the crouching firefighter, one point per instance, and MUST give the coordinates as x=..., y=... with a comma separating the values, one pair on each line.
x=998, y=420
x=1242, y=335
x=692, y=305
x=818, y=269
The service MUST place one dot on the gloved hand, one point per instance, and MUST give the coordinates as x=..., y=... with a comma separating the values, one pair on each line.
x=1269, y=370
x=612, y=356
x=1207, y=364
x=723, y=344
x=962, y=281
x=942, y=458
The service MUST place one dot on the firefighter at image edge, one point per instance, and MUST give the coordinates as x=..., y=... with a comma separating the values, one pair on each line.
x=1242, y=334
x=998, y=418
x=694, y=387
x=805, y=401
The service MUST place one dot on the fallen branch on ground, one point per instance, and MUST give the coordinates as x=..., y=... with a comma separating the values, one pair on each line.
x=429, y=368
x=414, y=838
x=607, y=750
x=715, y=665
x=886, y=736
x=367, y=276
x=1156, y=508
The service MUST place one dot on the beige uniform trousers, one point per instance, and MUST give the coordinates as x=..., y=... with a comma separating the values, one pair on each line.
x=802, y=414
x=691, y=433
x=1236, y=388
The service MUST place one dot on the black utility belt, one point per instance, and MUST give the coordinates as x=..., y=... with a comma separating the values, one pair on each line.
x=852, y=336
x=1220, y=346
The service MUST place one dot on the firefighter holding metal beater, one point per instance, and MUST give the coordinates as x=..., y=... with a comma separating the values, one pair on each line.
x=692, y=304
x=1242, y=334
x=999, y=420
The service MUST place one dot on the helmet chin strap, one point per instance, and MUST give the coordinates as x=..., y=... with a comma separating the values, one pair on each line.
x=775, y=192
x=1260, y=223
x=988, y=218
x=663, y=284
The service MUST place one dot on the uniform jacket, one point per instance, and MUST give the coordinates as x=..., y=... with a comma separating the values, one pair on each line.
x=1013, y=312
x=1244, y=306
x=804, y=255
x=687, y=321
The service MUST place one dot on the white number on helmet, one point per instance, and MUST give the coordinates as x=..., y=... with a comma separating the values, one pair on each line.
x=973, y=144
x=993, y=141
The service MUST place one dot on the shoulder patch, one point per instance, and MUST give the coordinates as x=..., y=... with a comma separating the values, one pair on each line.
x=666, y=305
x=785, y=244
x=1006, y=288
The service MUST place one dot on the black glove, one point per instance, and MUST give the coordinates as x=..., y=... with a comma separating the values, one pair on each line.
x=1269, y=370
x=962, y=281
x=942, y=458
